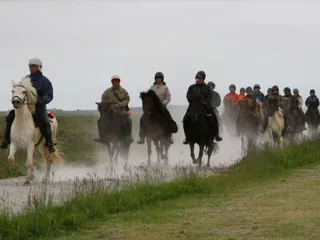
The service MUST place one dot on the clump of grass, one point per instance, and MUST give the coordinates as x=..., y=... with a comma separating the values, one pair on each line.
x=98, y=202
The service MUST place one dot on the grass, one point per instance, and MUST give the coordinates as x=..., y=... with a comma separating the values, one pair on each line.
x=79, y=212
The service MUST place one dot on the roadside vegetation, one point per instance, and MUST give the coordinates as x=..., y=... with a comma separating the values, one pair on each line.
x=95, y=203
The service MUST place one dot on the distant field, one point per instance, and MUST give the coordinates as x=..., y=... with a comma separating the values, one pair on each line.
x=76, y=132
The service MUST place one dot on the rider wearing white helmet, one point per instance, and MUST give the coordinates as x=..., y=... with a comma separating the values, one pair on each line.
x=45, y=95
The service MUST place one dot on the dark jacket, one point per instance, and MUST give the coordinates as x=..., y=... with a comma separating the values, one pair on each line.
x=200, y=92
x=43, y=87
x=259, y=96
x=312, y=101
x=216, y=99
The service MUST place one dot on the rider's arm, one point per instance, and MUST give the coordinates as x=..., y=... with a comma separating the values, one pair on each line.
x=189, y=95
x=126, y=100
x=208, y=97
x=167, y=97
x=217, y=100
x=47, y=91
x=104, y=97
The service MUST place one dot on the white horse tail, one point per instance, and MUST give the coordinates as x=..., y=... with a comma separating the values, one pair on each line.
x=56, y=157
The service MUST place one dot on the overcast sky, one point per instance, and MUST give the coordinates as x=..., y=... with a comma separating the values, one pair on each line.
x=83, y=44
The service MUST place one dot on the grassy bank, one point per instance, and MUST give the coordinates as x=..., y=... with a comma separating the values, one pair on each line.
x=77, y=213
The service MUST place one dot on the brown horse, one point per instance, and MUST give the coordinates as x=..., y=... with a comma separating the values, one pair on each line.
x=294, y=127
x=229, y=115
x=249, y=119
x=158, y=125
x=112, y=132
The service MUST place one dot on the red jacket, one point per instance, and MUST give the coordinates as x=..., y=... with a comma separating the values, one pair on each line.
x=233, y=96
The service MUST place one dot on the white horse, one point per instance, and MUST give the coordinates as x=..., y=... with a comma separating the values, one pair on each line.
x=275, y=126
x=25, y=135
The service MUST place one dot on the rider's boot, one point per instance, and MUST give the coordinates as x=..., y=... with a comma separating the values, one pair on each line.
x=9, y=120
x=218, y=138
x=48, y=137
x=185, y=141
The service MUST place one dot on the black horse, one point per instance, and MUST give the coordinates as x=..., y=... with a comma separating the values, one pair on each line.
x=313, y=119
x=197, y=131
x=159, y=125
x=112, y=131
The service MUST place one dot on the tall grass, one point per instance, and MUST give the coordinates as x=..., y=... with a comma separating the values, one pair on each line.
x=45, y=219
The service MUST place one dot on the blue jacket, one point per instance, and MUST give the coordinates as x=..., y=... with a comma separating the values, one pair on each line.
x=43, y=87
x=259, y=96
x=198, y=92
x=312, y=101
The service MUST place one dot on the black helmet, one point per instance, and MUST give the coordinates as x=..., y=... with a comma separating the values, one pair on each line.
x=159, y=75
x=275, y=87
x=248, y=89
x=269, y=89
x=242, y=89
x=211, y=84
x=287, y=89
x=201, y=74
x=312, y=91
x=232, y=86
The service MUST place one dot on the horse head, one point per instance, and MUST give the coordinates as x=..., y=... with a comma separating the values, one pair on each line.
x=107, y=110
x=151, y=102
x=23, y=94
x=196, y=108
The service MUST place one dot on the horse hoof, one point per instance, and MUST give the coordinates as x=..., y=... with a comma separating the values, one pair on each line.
x=27, y=182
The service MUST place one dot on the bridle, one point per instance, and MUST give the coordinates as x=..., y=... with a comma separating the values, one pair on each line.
x=23, y=101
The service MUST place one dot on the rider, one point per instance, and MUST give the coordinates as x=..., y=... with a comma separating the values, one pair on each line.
x=163, y=92
x=232, y=94
x=205, y=91
x=312, y=100
x=242, y=93
x=253, y=100
x=119, y=96
x=45, y=95
x=274, y=101
x=299, y=100
x=258, y=94
x=269, y=93
x=216, y=102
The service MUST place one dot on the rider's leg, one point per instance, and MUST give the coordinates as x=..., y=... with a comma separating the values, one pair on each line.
x=9, y=121
x=43, y=122
x=142, y=131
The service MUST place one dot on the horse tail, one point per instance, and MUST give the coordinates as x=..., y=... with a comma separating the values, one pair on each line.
x=215, y=147
x=57, y=157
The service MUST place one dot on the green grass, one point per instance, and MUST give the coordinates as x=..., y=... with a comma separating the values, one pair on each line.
x=79, y=212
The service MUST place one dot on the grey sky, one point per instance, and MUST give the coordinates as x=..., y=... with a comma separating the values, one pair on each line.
x=82, y=45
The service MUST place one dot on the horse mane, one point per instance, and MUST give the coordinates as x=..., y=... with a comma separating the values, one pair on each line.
x=157, y=103
x=31, y=92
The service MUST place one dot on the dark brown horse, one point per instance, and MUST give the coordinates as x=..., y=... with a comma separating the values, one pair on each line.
x=294, y=127
x=313, y=119
x=158, y=125
x=112, y=131
x=248, y=120
x=229, y=115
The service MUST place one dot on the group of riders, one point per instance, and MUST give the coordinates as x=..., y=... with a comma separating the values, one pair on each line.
x=199, y=92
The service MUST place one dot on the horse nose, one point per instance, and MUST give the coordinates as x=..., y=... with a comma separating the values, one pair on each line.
x=15, y=101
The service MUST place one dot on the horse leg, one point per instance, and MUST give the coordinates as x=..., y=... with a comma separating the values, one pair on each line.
x=201, y=147
x=192, y=153
x=109, y=147
x=210, y=150
x=29, y=163
x=149, y=150
x=166, y=149
x=157, y=145
x=11, y=158
x=49, y=162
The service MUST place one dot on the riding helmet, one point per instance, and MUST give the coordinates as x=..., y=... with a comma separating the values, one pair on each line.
x=269, y=89
x=36, y=61
x=256, y=86
x=159, y=75
x=211, y=84
x=248, y=89
x=312, y=91
x=296, y=90
x=232, y=86
x=287, y=89
x=242, y=89
x=275, y=87
x=201, y=74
